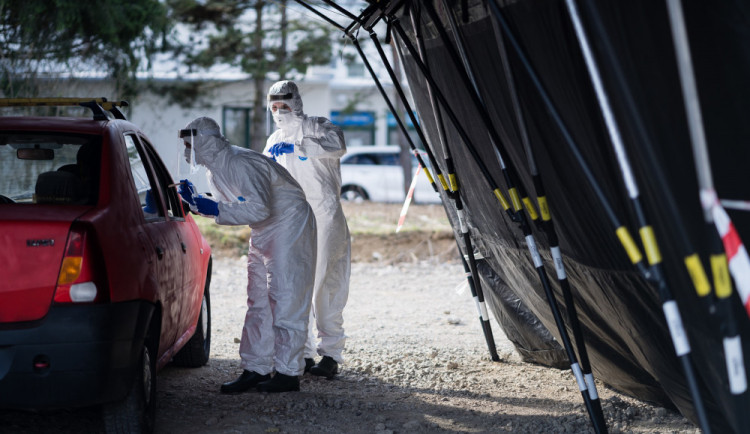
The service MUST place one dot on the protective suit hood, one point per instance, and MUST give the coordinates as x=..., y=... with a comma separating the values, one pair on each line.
x=208, y=142
x=287, y=92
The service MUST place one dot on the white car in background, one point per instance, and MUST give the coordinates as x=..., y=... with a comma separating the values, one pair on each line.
x=374, y=173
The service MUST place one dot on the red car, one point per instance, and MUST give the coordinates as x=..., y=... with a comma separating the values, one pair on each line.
x=105, y=275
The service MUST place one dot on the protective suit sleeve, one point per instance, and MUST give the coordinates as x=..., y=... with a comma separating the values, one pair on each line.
x=321, y=139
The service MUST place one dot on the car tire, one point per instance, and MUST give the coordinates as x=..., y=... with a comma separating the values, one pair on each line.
x=353, y=193
x=196, y=351
x=137, y=412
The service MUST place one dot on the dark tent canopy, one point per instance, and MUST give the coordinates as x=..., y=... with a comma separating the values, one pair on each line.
x=495, y=82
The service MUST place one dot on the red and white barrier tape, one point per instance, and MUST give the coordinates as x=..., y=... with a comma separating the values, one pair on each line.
x=408, y=199
x=737, y=257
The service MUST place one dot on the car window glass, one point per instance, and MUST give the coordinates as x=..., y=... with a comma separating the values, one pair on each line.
x=366, y=159
x=49, y=168
x=142, y=178
x=164, y=179
x=389, y=159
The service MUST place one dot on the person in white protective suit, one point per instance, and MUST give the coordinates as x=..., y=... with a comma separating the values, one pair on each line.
x=250, y=189
x=310, y=148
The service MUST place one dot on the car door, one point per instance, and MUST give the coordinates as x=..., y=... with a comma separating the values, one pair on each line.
x=185, y=235
x=362, y=170
x=423, y=191
x=391, y=175
x=158, y=235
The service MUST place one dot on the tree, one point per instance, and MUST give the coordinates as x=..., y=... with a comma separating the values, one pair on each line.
x=44, y=40
x=256, y=36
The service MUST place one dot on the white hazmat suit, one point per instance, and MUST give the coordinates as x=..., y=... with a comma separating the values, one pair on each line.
x=314, y=163
x=282, y=252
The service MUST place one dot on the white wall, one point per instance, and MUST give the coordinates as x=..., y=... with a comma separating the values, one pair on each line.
x=161, y=121
x=323, y=90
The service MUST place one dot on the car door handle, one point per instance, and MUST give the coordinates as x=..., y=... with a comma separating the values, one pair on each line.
x=159, y=252
x=184, y=248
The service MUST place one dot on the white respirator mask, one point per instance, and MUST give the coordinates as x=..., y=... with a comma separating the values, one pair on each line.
x=284, y=119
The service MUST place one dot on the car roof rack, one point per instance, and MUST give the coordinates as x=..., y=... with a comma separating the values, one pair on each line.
x=96, y=105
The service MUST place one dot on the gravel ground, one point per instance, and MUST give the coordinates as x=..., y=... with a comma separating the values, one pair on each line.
x=416, y=362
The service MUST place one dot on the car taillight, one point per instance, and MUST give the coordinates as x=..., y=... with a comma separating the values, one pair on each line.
x=75, y=283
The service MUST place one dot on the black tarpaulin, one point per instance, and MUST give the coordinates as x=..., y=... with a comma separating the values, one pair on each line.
x=627, y=336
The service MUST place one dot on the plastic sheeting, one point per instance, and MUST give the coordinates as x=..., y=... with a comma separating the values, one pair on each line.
x=529, y=336
x=626, y=334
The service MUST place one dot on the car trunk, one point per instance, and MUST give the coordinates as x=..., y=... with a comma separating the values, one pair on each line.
x=32, y=243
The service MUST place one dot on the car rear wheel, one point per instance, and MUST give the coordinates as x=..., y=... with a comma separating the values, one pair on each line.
x=137, y=412
x=196, y=352
x=353, y=193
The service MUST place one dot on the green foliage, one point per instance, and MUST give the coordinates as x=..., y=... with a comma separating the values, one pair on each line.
x=41, y=42
x=255, y=36
x=252, y=35
x=43, y=38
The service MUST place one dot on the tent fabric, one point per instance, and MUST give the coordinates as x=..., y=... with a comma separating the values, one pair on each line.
x=529, y=336
x=627, y=336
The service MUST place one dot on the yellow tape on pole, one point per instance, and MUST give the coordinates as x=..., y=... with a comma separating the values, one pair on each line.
x=516, y=199
x=442, y=182
x=630, y=247
x=650, y=245
x=429, y=176
x=698, y=275
x=454, y=181
x=530, y=208
x=502, y=199
x=544, y=208
x=720, y=270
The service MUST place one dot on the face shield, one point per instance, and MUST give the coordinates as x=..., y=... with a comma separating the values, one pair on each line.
x=187, y=137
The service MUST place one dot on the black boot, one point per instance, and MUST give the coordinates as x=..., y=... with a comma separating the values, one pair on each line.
x=247, y=380
x=309, y=363
x=280, y=383
x=327, y=367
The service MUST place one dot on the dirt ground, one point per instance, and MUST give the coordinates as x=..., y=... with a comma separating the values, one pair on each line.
x=416, y=359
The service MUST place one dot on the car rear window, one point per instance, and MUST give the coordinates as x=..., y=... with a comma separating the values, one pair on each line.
x=49, y=168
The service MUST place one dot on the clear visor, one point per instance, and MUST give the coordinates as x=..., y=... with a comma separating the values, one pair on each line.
x=186, y=152
x=187, y=139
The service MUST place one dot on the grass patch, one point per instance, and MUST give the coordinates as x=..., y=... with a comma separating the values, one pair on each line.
x=368, y=222
x=231, y=240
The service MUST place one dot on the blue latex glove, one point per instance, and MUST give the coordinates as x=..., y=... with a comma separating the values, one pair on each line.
x=281, y=148
x=207, y=206
x=150, y=204
x=187, y=191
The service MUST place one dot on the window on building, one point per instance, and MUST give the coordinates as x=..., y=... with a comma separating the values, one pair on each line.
x=355, y=69
x=358, y=127
x=394, y=130
x=236, y=123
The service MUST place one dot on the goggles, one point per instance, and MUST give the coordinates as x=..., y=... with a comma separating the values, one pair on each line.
x=193, y=132
x=281, y=97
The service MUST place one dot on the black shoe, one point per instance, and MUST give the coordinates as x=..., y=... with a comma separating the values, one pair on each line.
x=327, y=367
x=309, y=363
x=280, y=383
x=247, y=380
